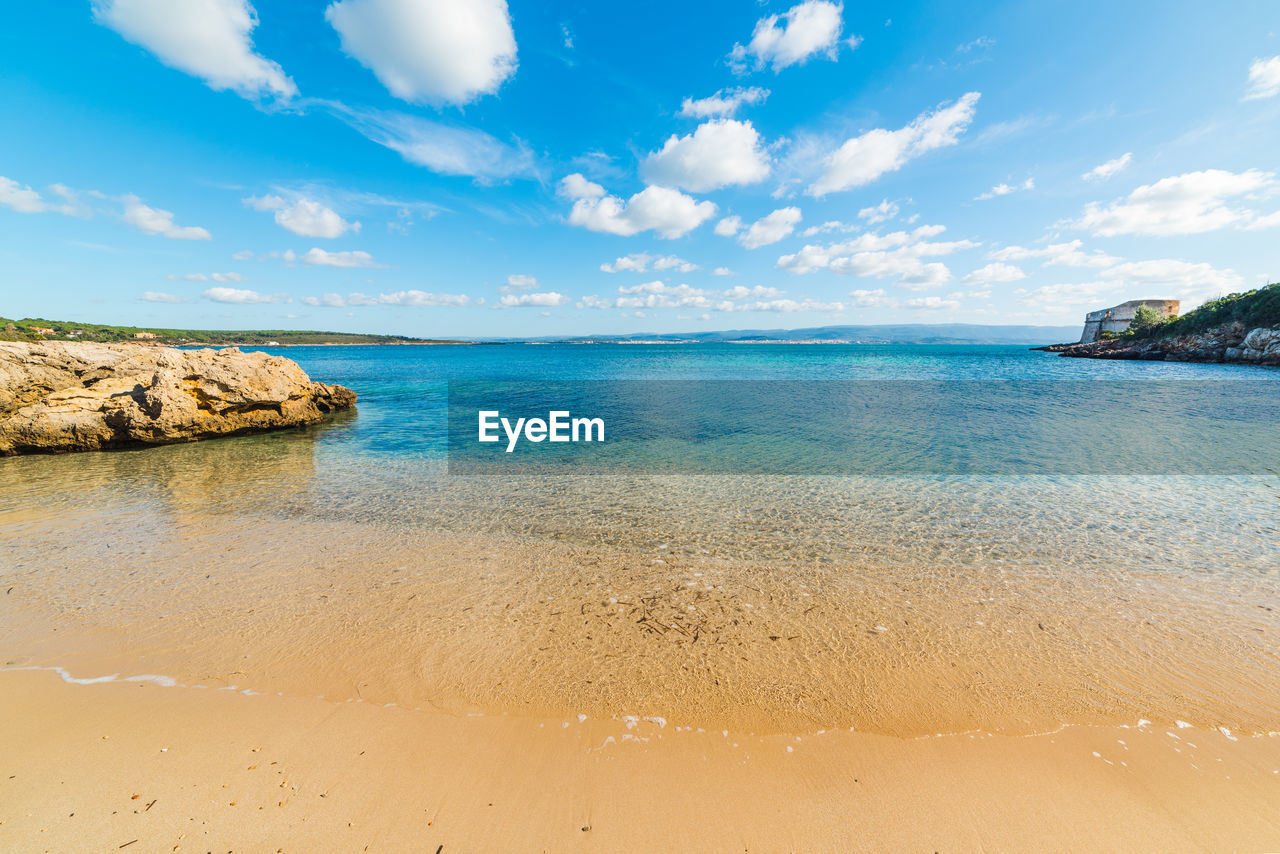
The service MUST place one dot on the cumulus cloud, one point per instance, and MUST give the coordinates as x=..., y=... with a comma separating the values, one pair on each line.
x=443, y=148
x=26, y=200
x=719, y=153
x=722, y=271
x=666, y=211
x=546, y=299
x=1006, y=189
x=243, y=296
x=995, y=273
x=417, y=299
x=900, y=254
x=877, y=298
x=209, y=39
x=429, y=51
x=1264, y=79
x=836, y=225
x=638, y=262
x=882, y=212
x=864, y=158
x=1163, y=277
x=155, y=221
x=808, y=28
x=728, y=226
x=1070, y=254
x=518, y=282
x=1103, y=171
x=932, y=303
x=1193, y=203
x=770, y=229
x=660, y=295
x=317, y=257
x=724, y=103
x=303, y=216
x=1191, y=282
x=157, y=296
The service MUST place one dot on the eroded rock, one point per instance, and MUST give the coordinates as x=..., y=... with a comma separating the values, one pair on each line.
x=70, y=396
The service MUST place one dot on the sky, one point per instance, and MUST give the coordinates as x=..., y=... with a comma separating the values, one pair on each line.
x=491, y=168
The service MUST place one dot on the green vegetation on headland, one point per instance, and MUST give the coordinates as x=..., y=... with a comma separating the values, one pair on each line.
x=38, y=329
x=1256, y=308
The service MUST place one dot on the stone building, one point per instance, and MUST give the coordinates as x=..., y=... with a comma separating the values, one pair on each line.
x=1117, y=318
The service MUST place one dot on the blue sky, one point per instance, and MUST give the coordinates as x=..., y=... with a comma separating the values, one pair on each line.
x=436, y=168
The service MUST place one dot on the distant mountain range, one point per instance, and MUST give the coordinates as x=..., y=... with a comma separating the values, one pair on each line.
x=905, y=333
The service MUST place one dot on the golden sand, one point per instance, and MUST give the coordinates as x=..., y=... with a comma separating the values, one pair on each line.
x=135, y=766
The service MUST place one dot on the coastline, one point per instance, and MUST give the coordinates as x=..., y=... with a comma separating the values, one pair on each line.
x=172, y=768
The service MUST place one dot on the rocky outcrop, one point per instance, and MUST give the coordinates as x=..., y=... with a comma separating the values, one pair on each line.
x=1234, y=343
x=69, y=396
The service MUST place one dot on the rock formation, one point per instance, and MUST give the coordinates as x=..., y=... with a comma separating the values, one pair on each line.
x=70, y=396
x=1231, y=343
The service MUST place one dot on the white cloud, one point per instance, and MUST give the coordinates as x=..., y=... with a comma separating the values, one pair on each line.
x=639, y=263
x=722, y=271
x=1193, y=283
x=1069, y=254
x=754, y=292
x=788, y=306
x=672, y=262
x=864, y=158
x=663, y=210
x=725, y=102
x=209, y=39
x=155, y=221
x=429, y=51
x=1271, y=220
x=899, y=254
x=320, y=258
x=226, y=277
x=303, y=216
x=243, y=296
x=995, y=273
x=876, y=298
x=26, y=200
x=1193, y=203
x=719, y=153
x=1103, y=171
x=442, y=148
x=156, y=296
x=770, y=229
x=519, y=282
x=1063, y=296
x=810, y=28
x=1006, y=189
x=728, y=226
x=1264, y=78
x=882, y=212
x=243, y=255
x=548, y=298
x=194, y=277
x=423, y=299
x=836, y=225
x=932, y=303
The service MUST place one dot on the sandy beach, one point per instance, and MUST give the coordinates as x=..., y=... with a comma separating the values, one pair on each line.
x=137, y=765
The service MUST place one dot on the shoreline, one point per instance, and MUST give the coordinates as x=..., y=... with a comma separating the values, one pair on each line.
x=170, y=768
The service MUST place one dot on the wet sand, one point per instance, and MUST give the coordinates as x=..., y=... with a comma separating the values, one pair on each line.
x=149, y=768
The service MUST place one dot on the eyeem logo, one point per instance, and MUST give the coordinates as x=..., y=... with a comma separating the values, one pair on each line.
x=557, y=427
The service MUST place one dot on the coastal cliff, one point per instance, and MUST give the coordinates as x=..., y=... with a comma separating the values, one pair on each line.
x=1232, y=343
x=67, y=396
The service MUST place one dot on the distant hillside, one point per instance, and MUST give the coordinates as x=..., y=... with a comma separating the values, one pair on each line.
x=1256, y=308
x=907, y=333
x=27, y=330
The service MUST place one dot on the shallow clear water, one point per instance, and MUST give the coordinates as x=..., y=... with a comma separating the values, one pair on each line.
x=1011, y=598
